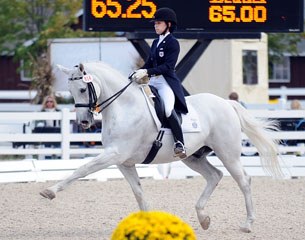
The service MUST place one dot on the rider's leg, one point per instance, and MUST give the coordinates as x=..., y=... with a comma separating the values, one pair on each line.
x=175, y=126
x=168, y=97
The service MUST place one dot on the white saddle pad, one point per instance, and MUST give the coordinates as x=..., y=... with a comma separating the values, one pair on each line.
x=190, y=121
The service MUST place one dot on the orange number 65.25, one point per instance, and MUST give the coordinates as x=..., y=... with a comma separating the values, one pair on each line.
x=144, y=3
x=99, y=8
x=113, y=9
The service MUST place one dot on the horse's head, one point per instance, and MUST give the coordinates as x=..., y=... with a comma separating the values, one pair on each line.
x=85, y=92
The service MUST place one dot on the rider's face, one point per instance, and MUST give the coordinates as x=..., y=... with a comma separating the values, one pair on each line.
x=160, y=27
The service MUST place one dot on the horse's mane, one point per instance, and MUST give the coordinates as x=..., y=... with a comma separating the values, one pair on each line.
x=105, y=69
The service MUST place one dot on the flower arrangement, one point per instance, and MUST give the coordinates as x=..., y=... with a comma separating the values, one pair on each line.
x=153, y=225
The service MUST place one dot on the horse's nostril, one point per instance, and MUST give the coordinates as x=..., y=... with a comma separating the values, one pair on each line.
x=85, y=122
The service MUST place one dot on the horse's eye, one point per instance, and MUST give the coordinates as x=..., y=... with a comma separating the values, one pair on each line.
x=82, y=90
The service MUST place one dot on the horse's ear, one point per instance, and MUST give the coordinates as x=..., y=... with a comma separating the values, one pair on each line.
x=63, y=69
x=81, y=67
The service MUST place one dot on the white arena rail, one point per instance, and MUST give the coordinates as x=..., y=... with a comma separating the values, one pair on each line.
x=29, y=166
x=25, y=120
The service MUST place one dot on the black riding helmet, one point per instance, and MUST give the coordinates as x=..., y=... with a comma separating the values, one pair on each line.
x=167, y=15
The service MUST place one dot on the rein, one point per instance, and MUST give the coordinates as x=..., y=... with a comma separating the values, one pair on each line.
x=92, y=105
x=112, y=98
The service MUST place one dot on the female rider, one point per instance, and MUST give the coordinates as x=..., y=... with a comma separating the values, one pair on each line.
x=160, y=68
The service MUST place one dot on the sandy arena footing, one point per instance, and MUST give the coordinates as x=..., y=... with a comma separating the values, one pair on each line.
x=90, y=210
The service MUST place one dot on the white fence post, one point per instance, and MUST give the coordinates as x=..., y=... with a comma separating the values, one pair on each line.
x=65, y=134
x=284, y=92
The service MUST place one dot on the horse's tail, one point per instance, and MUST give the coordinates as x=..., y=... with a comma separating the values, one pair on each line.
x=258, y=131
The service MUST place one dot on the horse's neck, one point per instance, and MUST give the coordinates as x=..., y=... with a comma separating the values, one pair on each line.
x=127, y=109
x=126, y=103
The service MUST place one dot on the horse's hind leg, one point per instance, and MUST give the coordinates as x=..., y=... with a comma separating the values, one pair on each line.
x=212, y=176
x=234, y=166
x=132, y=177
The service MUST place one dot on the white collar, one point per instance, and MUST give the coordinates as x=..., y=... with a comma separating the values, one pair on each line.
x=161, y=37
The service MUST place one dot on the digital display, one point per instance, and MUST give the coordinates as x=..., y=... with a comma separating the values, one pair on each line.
x=197, y=15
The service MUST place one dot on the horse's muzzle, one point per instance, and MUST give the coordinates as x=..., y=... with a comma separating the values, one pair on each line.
x=85, y=124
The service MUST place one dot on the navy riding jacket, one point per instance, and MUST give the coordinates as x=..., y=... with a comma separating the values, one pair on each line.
x=162, y=61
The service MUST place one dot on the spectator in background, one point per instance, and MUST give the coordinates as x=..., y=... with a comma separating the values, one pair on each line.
x=299, y=125
x=49, y=104
x=295, y=105
x=234, y=96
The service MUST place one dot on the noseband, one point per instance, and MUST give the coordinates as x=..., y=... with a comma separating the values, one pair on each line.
x=92, y=105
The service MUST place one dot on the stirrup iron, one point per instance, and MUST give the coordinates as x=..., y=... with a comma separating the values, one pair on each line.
x=179, y=150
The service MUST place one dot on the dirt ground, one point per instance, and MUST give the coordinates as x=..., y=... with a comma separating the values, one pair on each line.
x=91, y=210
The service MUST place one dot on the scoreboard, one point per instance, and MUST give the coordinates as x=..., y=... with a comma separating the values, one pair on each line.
x=197, y=15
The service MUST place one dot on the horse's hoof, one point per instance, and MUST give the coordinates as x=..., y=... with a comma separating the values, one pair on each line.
x=245, y=228
x=205, y=224
x=48, y=194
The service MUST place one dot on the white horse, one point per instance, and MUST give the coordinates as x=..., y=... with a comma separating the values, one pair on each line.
x=129, y=130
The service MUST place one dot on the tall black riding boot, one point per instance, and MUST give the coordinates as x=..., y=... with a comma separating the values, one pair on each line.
x=174, y=124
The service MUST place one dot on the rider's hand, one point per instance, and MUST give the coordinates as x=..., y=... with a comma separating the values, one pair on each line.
x=140, y=76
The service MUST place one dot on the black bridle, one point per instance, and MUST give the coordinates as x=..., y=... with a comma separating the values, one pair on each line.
x=92, y=105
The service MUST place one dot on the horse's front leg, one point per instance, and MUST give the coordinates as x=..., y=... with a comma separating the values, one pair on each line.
x=131, y=175
x=107, y=158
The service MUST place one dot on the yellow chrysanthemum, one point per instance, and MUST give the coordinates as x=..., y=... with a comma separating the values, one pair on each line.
x=153, y=225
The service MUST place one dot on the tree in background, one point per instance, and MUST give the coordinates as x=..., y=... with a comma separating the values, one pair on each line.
x=26, y=26
x=281, y=43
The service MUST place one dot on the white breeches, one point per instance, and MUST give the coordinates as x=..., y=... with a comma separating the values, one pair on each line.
x=165, y=92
